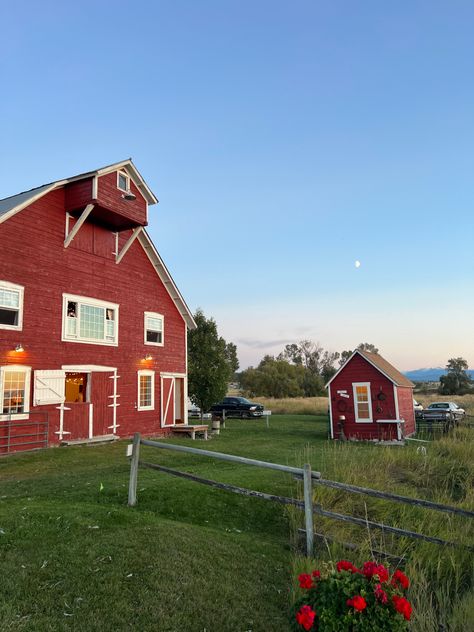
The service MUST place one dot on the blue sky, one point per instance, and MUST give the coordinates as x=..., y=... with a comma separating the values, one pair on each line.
x=284, y=140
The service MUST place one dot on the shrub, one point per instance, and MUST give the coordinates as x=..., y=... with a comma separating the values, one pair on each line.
x=349, y=599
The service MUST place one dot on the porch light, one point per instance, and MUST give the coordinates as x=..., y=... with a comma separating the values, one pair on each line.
x=148, y=357
x=19, y=348
x=129, y=195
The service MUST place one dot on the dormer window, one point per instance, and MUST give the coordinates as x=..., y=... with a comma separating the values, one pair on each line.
x=123, y=181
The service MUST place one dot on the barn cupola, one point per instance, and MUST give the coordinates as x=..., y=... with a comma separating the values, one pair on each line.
x=115, y=197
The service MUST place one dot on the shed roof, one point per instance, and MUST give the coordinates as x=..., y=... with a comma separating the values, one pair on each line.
x=382, y=365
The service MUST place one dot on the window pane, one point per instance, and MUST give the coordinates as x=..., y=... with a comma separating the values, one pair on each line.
x=363, y=411
x=153, y=336
x=122, y=182
x=92, y=322
x=145, y=390
x=154, y=323
x=9, y=298
x=8, y=316
x=71, y=326
x=14, y=392
x=110, y=328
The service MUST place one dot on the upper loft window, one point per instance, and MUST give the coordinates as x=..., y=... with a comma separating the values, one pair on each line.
x=89, y=320
x=154, y=329
x=11, y=306
x=123, y=181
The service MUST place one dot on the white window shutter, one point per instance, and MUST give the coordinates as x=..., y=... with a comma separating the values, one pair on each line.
x=49, y=387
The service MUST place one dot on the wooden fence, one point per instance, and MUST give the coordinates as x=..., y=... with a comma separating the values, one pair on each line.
x=309, y=479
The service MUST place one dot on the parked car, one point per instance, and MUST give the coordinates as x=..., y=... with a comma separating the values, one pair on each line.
x=194, y=412
x=237, y=407
x=418, y=408
x=439, y=411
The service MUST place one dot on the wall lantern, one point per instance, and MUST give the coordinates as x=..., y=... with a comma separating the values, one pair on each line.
x=19, y=348
x=148, y=357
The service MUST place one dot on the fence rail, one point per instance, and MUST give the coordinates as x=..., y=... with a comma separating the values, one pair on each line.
x=306, y=504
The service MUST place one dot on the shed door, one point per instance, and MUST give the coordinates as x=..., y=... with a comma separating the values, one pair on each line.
x=167, y=401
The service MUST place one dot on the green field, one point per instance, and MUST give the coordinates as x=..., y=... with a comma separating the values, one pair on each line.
x=73, y=556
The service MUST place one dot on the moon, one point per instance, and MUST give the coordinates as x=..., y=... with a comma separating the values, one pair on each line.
x=357, y=263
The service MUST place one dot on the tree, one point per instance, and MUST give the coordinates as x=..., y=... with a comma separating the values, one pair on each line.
x=456, y=381
x=276, y=377
x=211, y=363
x=362, y=346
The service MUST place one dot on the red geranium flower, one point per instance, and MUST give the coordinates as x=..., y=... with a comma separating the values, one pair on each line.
x=403, y=606
x=344, y=565
x=380, y=594
x=357, y=602
x=305, y=581
x=371, y=568
x=305, y=617
x=316, y=574
x=400, y=578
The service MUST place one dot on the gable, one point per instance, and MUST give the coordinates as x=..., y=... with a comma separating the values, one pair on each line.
x=380, y=364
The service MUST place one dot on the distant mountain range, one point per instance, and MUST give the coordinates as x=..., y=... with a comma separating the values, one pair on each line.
x=430, y=375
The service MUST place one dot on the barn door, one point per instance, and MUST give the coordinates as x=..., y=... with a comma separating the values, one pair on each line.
x=167, y=401
x=101, y=415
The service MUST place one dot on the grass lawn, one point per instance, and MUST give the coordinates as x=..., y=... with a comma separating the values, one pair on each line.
x=73, y=556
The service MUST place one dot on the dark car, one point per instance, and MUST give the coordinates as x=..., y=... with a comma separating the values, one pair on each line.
x=237, y=407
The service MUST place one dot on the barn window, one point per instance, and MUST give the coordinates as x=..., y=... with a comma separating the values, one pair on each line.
x=154, y=329
x=89, y=320
x=146, y=390
x=123, y=181
x=362, y=403
x=11, y=306
x=14, y=391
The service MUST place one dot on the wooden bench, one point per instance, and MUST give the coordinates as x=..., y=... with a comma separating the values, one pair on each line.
x=192, y=430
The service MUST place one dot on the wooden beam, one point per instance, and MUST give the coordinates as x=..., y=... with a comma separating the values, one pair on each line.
x=128, y=243
x=81, y=219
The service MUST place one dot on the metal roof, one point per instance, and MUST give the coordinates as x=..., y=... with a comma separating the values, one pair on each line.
x=22, y=199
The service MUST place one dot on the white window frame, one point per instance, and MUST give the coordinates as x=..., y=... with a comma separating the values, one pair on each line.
x=127, y=177
x=21, y=291
x=93, y=302
x=154, y=315
x=151, y=374
x=369, y=398
x=23, y=369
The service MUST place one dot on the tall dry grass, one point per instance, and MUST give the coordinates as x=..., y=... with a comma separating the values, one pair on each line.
x=295, y=405
x=442, y=589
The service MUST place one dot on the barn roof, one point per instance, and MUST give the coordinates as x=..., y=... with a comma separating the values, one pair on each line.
x=382, y=365
x=11, y=205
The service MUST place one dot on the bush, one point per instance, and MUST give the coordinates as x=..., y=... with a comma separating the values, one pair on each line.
x=349, y=599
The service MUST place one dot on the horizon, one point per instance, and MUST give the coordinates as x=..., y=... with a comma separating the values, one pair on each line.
x=286, y=144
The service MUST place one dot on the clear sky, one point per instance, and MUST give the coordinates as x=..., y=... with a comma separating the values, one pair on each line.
x=285, y=140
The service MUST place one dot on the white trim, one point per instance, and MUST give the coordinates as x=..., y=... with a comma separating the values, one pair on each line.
x=370, y=362
x=94, y=302
x=49, y=387
x=164, y=374
x=80, y=221
x=330, y=412
x=95, y=187
x=166, y=279
x=162, y=318
x=151, y=374
x=369, y=399
x=88, y=368
x=185, y=380
x=120, y=255
x=114, y=425
x=395, y=397
x=91, y=420
x=20, y=207
x=21, y=291
x=164, y=411
x=26, y=407
x=127, y=178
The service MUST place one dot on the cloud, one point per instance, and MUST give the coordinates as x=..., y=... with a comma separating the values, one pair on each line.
x=262, y=344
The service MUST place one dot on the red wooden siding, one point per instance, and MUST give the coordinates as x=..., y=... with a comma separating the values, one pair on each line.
x=382, y=400
x=78, y=194
x=405, y=408
x=33, y=255
x=110, y=197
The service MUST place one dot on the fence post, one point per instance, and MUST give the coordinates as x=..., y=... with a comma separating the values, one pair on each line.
x=132, y=486
x=308, y=508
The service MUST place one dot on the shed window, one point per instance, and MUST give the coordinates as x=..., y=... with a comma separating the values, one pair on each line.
x=11, y=305
x=146, y=390
x=362, y=403
x=89, y=320
x=123, y=181
x=153, y=329
x=14, y=390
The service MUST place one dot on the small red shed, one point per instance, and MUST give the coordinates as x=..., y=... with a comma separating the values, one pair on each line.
x=370, y=399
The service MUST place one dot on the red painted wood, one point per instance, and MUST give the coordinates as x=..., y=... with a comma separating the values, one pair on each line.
x=33, y=255
x=101, y=389
x=406, y=410
x=359, y=370
x=78, y=194
x=111, y=197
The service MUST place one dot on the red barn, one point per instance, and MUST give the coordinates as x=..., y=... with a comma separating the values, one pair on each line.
x=92, y=327
x=369, y=399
